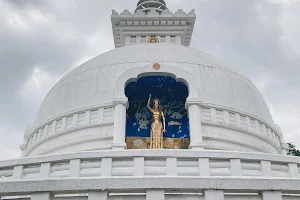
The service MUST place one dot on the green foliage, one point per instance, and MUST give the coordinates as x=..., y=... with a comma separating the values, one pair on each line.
x=292, y=150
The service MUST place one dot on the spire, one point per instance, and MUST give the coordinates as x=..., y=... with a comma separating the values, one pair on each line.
x=147, y=5
x=152, y=22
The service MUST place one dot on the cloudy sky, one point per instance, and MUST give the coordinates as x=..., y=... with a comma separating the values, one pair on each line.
x=40, y=41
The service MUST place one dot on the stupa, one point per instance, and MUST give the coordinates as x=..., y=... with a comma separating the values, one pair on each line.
x=212, y=136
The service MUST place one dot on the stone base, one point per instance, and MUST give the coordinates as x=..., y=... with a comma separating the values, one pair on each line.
x=199, y=146
x=119, y=146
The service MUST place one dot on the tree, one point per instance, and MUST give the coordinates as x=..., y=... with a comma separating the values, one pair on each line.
x=292, y=150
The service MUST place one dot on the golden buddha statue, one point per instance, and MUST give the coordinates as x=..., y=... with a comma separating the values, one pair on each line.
x=157, y=128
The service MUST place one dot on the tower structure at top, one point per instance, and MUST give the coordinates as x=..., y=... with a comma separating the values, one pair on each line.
x=152, y=22
x=146, y=5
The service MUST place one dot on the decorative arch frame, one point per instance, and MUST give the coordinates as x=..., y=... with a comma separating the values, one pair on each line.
x=193, y=100
x=132, y=75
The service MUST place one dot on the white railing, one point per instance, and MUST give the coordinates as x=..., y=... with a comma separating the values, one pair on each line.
x=160, y=194
x=132, y=174
x=229, y=119
x=104, y=115
x=73, y=121
x=151, y=163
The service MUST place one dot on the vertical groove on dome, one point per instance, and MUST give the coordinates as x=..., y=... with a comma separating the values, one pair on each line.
x=147, y=5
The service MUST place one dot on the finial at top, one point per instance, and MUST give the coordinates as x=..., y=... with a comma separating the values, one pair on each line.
x=147, y=5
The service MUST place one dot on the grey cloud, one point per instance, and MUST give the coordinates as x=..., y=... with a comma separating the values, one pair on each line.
x=250, y=37
x=53, y=46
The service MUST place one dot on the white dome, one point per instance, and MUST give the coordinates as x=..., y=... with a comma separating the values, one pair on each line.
x=93, y=82
x=78, y=113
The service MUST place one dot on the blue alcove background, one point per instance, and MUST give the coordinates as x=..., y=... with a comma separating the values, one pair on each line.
x=172, y=96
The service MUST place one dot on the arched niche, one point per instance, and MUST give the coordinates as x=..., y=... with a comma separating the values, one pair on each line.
x=172, y=95
x=121, y=101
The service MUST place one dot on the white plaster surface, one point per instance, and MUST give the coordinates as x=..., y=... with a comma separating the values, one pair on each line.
x=93, y=83
x=214, y=195
x=155, y=194
x=95, y=128
x=72, y=185
x=129, y=28
x=98, y=195
x=237, y=140
x=190, y=175
x=155, y=163
x=271, y=195
x=40, y=196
